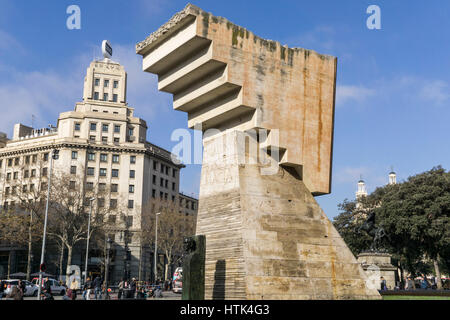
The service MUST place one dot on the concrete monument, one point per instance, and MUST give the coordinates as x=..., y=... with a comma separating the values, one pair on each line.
x=271, y=107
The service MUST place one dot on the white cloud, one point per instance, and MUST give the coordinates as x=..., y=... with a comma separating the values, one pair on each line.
x=349, y=93
x=437, y=92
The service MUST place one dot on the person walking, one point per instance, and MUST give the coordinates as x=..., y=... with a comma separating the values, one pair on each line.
x=89, y=286
x=22, y=288
x=98, y=288
x=121, y=285
x=132, y=288
x=74, y=287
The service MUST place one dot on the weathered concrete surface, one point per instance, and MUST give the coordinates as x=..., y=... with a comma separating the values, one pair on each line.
x=266, y=237
x=226, y=77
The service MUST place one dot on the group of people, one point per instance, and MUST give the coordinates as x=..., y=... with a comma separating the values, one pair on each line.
x=17, y=292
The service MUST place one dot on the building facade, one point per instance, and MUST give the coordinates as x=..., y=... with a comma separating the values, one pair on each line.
x=102, y=144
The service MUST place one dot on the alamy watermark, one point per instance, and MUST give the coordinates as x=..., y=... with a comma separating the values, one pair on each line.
x=374, y=20
x=74, y=20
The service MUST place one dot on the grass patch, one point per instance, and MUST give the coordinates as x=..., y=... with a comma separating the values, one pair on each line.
x=415, y=298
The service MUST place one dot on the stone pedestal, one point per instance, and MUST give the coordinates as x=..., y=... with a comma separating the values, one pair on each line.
x=377, y=265
x=266, y=236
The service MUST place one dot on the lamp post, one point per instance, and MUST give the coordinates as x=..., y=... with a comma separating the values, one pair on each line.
x=108, y=247
x=156, y=245
x=87, y=242
x=54, y=156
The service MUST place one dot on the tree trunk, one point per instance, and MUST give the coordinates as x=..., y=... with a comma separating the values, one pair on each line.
x=69, y=261
x=166, y=267
x=9, y=262
x=61, y=257
x=438, y=273
x=30, y=244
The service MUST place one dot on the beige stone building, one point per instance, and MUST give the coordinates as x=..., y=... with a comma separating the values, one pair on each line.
x=102, y=143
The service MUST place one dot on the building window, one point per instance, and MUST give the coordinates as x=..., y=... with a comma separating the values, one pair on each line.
x=44, y=172
x=74, y=155
x=73, y=170
x=106, y=83
x=93, y=126
x=16, y=161
x=89, y=186
x=153, y=193
x=92, y=138
x=161, y=182
x=173, y=198
x=114, y=97
x=102, y=172
x=132, y=174
x=26, y=174
x=166, y=184
x=115, y=84
x=7, y=191
x=27, y=160
x=33, y=173
x=97, y=82
x=8, y=176
x=95, y=95
x=103, y=157
x=77, y=126
x=101, y=186
x=129, y=221
x=130, y=132
x=131, y=188
x=114, y=187
x=113, y=203
x=105, y=97
x=173, y=186
x=116, y=140
x=154, y=179
x=90, y=171
x=116, y=129
x=91, y=156
x=132, y=159
x=115, y=173
x=105, y=127
x=155, y=163
x=34, y=158
x=10, y=162
x=112, y=219
x=104, y=139
x=115, y=158
x=130, y=204
x=174, y=172
x=16, y=174
x=46, y=156
x=162, y=168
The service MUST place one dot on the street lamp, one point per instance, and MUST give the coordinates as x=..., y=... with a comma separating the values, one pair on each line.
x=108, y=247
x=54, y=156
x=87, y=242
x=156, y=243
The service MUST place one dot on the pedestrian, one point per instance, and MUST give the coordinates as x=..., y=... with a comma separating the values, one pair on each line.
x=74, y=287
x=98, y=288
x=22, y=288
x=15, y=293
x=121, y=285
x=47, y=290
x=383, y=284
x=132, y=288
x=88, y=285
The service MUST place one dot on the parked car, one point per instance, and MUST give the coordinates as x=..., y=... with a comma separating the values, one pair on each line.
x=30, y=288
x=56, y=287
x=177, y=286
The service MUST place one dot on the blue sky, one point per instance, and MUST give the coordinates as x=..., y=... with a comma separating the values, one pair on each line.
x=393, y=84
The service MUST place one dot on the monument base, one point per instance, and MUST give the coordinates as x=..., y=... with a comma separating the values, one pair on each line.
x=266, y=236
x=377, y=265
